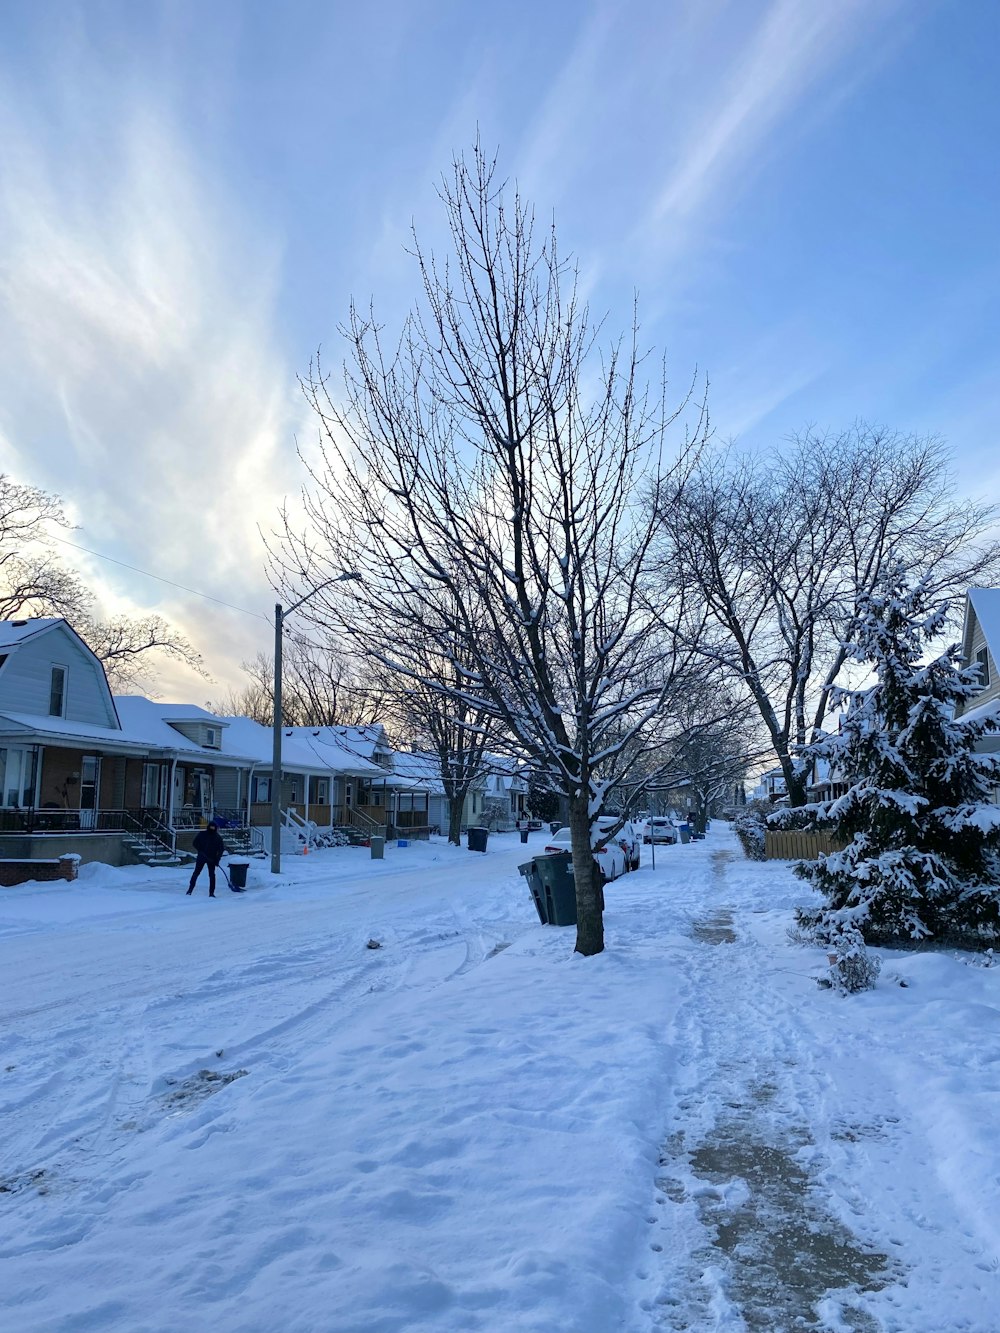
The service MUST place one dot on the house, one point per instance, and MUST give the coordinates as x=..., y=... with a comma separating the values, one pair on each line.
x=107, y=777
x=981, y=645
x=121, y=778
x=423, y=770
x=505, y=793
x=323, y=779
x=770, y=786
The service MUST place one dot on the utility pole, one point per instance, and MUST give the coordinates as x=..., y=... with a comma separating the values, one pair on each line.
x=279, y=622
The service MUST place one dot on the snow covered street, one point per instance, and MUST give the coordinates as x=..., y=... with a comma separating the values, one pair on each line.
x=235, y=1115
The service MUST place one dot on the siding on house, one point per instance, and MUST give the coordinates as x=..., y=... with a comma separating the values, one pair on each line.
x=227, y=788
x=977, y=642
x=198, y=732
x=26, y=680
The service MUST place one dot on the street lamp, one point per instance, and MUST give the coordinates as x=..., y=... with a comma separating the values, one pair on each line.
x=279, y=620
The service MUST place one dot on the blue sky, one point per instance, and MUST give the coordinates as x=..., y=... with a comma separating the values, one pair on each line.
x=804, y=195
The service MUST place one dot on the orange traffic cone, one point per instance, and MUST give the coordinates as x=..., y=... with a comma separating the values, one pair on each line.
x=305, y=849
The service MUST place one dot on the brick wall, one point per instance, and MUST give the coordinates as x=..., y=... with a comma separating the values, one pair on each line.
x=22, y=872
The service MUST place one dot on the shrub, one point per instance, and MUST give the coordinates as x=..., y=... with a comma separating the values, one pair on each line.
x=749, y=826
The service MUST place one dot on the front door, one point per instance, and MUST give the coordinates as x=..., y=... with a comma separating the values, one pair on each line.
x=90, y=786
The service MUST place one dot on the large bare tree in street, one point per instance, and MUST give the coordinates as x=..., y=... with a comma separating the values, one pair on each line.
x=485, y=474
x=779, y=548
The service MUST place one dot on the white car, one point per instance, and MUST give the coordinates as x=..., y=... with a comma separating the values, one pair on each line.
x=661, y=828
x=627, y=837
x=610, y=857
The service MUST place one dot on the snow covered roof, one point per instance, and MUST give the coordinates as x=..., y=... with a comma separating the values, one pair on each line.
x=414, y=769
x=189, y=713
x=59, y=731
x=991, y=708
x=14, y=632
x=334, y=757
x=144, y=721
x=360, y=741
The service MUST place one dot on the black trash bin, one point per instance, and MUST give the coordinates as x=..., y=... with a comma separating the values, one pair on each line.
x=477, y=839
x=530, y=872
x=558, y=888
x=238, y=875
x=524, y=835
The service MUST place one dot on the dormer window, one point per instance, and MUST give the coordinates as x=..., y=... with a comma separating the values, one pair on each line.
x=57, y=692
x=212, y=738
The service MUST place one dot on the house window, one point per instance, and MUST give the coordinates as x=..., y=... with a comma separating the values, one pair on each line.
x=212, y=738
x=17, y=778
x=57, y=692
x=150, y=786
x=983, y=662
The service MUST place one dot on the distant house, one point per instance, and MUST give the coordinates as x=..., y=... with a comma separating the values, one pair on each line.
x=422, y=769
x=350, y=768
x=770, y=786
x=505, y=792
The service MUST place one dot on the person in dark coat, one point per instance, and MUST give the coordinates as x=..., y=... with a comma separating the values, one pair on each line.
x=209, y=847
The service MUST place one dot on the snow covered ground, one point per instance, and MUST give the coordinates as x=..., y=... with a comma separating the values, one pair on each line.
x=234, y=1115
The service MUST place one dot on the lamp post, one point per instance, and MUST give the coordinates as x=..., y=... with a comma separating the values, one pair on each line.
x=279, y=621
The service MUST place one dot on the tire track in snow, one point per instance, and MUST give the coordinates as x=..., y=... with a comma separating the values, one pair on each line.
x=87, y=1139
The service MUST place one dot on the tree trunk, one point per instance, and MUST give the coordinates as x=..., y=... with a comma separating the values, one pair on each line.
x=455, y=805
x=795, y=781
x=589, y=899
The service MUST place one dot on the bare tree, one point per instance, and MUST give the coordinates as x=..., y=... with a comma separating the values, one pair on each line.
x=485, y=479
x=319, y=689
x=779, y=548
x=32, y=580
x=35, y=582
x=123, y=644
x=456, y=730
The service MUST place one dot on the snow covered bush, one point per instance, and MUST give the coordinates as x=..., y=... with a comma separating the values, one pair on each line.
x=749, y=826
x=922, y=859
x=852, y=967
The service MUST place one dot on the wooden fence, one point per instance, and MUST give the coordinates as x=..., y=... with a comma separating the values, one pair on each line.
x=799, y=844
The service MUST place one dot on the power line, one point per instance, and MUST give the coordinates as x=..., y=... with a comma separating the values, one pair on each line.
x=258, y=615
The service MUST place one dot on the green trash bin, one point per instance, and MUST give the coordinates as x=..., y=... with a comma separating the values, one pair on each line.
x=477, y=839
x=378, y=847
x=558, y=888
x=530, y=872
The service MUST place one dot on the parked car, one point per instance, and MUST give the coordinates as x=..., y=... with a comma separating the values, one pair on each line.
x=661, y=828
x=534, y=825
x=628, y=838
x=610, y=857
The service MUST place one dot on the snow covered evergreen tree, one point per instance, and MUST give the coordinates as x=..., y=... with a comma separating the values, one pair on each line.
x=922, y=860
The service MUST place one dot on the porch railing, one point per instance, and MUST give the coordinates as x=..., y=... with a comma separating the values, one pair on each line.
x=31, y=820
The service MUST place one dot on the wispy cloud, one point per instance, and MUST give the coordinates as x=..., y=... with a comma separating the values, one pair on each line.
x=783, y=60
x=142, y=377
